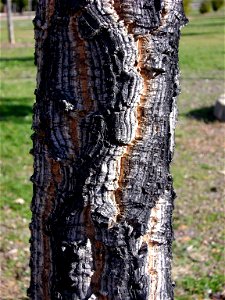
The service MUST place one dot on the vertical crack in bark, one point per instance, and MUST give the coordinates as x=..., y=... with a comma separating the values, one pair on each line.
x=79, y=53
x=50, y=9
x=119, y=190
x=140, y=125
x=118, y=9
x=157, y=245
x=153, y=249
x=47, y=258
x=47, y=210
x=144, y=50
x=98, y=250
x=82, y=67
x=123, y=169
x=75, y=132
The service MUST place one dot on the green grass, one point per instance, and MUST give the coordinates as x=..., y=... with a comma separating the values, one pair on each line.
x=202, y=47
x=198, y=250
x=17, y=75
x=213, y=283
x=18, y=83
x=23, y=32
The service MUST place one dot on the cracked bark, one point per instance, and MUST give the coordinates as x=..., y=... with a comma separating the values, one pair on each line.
x=104, y=118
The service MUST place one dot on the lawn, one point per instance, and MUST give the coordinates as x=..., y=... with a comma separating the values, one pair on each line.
x=197, y=166
x=17, y=85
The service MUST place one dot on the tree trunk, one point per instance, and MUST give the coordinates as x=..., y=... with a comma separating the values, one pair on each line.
x=29, y=6
x=104, y=123
x=10, y=23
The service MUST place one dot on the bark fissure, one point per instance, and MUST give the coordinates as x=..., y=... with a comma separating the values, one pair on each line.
x=104, y=119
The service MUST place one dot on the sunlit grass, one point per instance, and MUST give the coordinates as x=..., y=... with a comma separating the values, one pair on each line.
x=17, y=85
x=202, y=46
x=23, y=32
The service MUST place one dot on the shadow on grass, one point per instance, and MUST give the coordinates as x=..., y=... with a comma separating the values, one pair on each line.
x=198, y=33
x=15, y=112
x=207, y=24
x=183, y=77
x=22, y=59
x=202, y=114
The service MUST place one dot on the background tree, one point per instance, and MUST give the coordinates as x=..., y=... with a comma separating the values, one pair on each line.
x=205, y=7
x=21, y=5
x=217, y=4
x=187, y=6
x=10, y=22
x=104, y=123
x=18, y=5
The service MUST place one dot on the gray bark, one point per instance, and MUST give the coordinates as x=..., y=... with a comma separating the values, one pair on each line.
x=103, y=138
x=10, y=22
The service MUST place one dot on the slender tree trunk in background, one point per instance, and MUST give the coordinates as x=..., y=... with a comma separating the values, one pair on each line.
x=104, y=123
x=10, y=22
x=29, y=5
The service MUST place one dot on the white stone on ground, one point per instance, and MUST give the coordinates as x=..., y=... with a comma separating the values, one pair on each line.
x=219, y=108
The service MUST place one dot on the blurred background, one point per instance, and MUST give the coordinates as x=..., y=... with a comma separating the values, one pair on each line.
x=197, y=168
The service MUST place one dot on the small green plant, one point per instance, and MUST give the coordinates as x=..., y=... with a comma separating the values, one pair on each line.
x=217, y=4
x=205, y=7
x=201, y=285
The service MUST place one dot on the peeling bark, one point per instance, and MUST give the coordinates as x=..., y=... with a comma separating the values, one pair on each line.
x=104, y=120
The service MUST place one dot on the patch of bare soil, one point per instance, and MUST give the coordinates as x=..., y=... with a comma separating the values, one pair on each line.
x=14, y=256
x=199, y=208
x=17, y=45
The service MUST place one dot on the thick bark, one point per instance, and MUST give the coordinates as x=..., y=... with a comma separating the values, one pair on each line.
x=104, y=123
